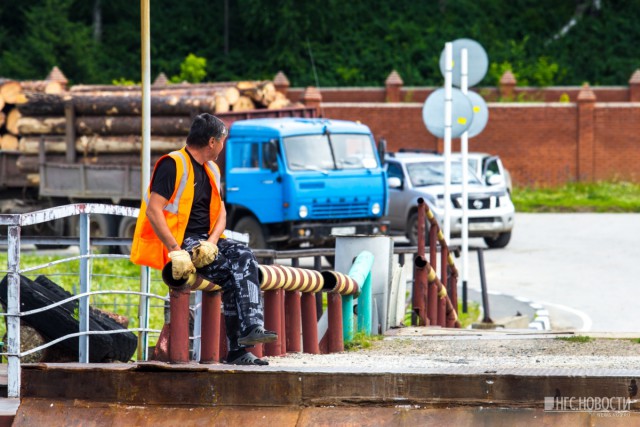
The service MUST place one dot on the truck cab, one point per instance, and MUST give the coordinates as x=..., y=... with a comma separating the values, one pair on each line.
x=295, y=182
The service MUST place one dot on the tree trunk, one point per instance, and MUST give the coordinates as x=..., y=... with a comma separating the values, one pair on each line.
x=29, y=163
x=113, y=104
x=244, y=103
x=8, y=142
x=92, y=145
x=130, y=125
x=41, y=125
x=45, y=86
x=11, y=122
x=10, y=90
x=42, y=104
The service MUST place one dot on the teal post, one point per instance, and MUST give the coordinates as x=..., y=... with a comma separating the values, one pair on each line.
x=360, y=272
x=347, y=318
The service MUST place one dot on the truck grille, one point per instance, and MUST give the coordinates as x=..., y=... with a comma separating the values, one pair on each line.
x=340, y=209
x=474, y=204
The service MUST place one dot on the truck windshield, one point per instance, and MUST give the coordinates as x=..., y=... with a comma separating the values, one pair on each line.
x=432, y=173
x=313, y=152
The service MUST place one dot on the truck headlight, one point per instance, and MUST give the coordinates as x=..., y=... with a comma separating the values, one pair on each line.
x=375, y=208
x=303, y=211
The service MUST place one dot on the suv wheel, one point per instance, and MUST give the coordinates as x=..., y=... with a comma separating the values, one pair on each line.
x=498, y=242
x=412, y=230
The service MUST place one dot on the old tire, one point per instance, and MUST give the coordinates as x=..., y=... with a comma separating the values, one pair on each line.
x=499, y=242
x=412, y=230
x=124, y=344
x=253, y=228
x=99, y=226
x=58, y=321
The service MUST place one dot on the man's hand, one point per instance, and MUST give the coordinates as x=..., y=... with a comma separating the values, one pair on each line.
x=181, y=265
x=204, y=253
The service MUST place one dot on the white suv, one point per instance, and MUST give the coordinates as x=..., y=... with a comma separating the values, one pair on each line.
x=415, y=175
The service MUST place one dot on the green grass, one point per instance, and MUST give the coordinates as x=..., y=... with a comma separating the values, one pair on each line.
x=471, y=316
x=106, y=274
x=361, y=341
x=576, y=339
x=579, y=197
x=636, y=340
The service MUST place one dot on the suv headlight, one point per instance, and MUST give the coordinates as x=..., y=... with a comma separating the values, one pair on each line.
x=375, y=208
x=303, y=211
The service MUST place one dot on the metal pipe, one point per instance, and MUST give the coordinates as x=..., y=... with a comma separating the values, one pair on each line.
x=483, y=285
x=13, y=311
x=334, y=308
x=179, y=325
x=309, y=324
x=85, y=286
x=364, y=308
x=210, y=327
x=282, y=332
x=444, y=256
x=293, y=320
x=419, y=314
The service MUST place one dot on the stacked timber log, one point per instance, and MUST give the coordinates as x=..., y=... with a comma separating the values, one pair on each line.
x=102, y=124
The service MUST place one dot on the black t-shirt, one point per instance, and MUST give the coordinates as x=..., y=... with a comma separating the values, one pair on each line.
x=163, y=183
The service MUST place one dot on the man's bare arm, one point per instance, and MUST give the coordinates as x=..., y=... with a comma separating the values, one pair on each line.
x=220, y=225
x=158, y=222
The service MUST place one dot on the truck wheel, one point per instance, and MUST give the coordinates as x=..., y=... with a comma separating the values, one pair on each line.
x=253, y=228
x=412, y=230
x=53, y=228
x=498, y=242
x=99, y=226
x=126, y=229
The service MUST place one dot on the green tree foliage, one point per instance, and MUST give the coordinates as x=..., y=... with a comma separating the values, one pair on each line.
x=543, y=42
x=192, y=70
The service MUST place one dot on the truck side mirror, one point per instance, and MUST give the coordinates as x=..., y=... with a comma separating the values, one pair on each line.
x=271, y=155
x=382, y=149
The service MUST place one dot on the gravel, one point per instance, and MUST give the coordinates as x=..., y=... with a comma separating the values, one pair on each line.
x=488, y=352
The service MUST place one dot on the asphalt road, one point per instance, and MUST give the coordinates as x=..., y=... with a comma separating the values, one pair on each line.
x=583, y=268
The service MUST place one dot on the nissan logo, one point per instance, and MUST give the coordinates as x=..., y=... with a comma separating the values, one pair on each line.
x=477, y=204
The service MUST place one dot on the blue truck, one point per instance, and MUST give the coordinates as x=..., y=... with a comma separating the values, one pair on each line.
x=289, y=180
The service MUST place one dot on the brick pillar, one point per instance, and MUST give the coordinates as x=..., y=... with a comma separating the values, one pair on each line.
x=393, y=85
x=281, y=82
x=634, y=87
x=312, y=98
x=585, y=170
x=507, y=86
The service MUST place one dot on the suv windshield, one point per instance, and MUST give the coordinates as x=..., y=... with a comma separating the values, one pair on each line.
x=335, y=151
x=432, y=173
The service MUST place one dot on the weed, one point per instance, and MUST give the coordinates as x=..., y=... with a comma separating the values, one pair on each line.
x=361, y=341
x=576, y=338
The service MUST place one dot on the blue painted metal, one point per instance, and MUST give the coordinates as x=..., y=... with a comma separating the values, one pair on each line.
x=331, y=194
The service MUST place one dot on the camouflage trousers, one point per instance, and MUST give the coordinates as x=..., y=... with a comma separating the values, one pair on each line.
x=235, y=270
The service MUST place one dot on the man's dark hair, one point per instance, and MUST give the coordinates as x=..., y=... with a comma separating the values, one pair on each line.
x=205, y=126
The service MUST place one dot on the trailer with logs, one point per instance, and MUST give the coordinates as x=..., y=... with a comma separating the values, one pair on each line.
x=287, y=182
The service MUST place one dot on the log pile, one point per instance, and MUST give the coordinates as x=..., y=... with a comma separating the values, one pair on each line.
x=103, y=122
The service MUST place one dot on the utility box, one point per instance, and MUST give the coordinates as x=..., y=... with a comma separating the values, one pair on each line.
x=348, y=248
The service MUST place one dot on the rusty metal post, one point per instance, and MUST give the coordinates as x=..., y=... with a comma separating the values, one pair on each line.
x=432, y=290
x=223, y=350
x=282, y=333
x=179, y=325
x=272, y=320
x=419, y=315
x=210, y=328
x=334, y=311
x=293, y=320
x=442, y=304
x=309, y=324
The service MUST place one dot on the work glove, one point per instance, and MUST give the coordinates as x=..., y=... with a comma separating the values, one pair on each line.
x=181, y=265
x=204, y=253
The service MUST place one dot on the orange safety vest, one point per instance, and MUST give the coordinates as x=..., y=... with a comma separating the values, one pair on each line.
x=147, y=249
